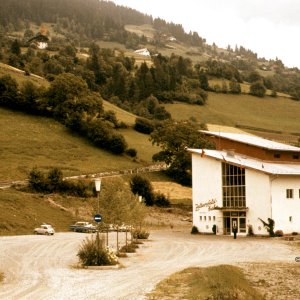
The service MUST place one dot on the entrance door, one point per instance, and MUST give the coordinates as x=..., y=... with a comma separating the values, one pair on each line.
x=234, y=223
x=227, y=228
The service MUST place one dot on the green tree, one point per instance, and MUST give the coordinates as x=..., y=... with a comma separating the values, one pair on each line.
x=257, y=89
x=174, y=138
x=15, y=47
x=142, y=187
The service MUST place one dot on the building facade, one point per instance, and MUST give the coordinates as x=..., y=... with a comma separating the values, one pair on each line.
x=245, y=181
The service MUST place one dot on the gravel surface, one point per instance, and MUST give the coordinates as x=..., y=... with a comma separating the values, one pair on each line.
x=43, y=267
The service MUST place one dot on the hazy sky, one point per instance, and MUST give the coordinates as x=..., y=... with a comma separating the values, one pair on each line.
x=269, y=28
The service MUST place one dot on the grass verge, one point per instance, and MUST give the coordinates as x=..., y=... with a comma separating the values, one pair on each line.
x=217, y=282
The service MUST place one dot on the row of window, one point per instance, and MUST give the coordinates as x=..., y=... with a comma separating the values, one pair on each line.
x=290, y=193
x=294, y=156
x=203, y=218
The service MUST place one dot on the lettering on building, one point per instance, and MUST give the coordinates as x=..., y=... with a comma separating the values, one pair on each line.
x=210, y=204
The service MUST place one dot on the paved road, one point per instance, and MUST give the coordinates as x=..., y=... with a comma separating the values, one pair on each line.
x=40, y=267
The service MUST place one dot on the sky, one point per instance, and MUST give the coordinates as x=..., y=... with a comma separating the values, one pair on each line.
x=269, y=28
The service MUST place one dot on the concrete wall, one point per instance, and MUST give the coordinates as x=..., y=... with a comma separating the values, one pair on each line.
x=284, y=208
x=258, y=200
x=207, y=185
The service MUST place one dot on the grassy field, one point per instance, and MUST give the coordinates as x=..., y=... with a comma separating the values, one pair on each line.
x=29, y=141
x=19, y=76
x=21, y=212
x=279, y=113
x=218, y=282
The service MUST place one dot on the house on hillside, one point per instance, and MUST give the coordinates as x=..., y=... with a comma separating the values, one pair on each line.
x=39, y=40
x=143, y=51
x=245, y=179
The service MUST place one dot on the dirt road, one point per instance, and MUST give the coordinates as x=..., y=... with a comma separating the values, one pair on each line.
x=40, y=267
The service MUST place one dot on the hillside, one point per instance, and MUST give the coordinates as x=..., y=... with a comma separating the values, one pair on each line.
x=30, y=141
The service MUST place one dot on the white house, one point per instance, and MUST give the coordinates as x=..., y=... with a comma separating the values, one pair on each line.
x=245, y=179
x=143, y=51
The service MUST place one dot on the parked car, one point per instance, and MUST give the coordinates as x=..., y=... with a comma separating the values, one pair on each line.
x=83, y=227
x=44, y=229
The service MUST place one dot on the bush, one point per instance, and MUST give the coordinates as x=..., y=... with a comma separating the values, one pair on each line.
x=131, y=152
x=250, y=230
x=194, y=230
x=161, y=200
x=278, y=233
x=93, y=253
x=294, y=233
x=141, y=234
x=143, y=125
x=142, y=186
x=129, y=248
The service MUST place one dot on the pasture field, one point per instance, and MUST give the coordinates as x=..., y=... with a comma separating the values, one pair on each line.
x=29, y=141
x=269, y=113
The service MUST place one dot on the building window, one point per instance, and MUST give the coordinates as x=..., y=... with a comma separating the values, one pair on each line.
x=200, y=218
x=295, y=156
x=289, y=194
x=233, y=184
x=214, y=218
x=204, y=218
x=209, y=218
x=276, y=155
x=291, y=219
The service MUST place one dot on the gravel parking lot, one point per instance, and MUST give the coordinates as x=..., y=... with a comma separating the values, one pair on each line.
x=43, y=267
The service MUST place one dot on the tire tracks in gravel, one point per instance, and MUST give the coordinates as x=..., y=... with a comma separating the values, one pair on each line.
x=40, y=267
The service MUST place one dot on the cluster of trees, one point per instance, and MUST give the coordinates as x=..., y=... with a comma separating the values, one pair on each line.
x=175, y=138
x=141, y=186
x=68, y=100
x=53, y=183
x=83, y=19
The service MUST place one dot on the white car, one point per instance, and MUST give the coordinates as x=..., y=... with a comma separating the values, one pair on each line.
x=44, y=229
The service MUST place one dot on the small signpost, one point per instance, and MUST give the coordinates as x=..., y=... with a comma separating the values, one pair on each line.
x=97, y=218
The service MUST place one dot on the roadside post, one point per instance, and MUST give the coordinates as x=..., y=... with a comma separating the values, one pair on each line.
x=98, y=217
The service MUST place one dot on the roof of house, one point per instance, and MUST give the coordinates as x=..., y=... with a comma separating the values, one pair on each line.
x=39, y=38
x=250, y=162
x=253, y=140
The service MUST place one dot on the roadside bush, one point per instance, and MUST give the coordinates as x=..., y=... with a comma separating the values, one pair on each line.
x=130, y=248
x=194, y=230
x=278, y=233
x=93, y=252
x=294, y=233
x=250, y=230
x=161, y=200
x=142, y=186
x=54, y=182
x=141, y=234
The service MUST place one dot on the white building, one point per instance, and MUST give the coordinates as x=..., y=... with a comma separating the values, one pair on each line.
x=259, y=179
x=144, y=52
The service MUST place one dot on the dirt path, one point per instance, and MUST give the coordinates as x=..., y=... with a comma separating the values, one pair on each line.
x=40, y=267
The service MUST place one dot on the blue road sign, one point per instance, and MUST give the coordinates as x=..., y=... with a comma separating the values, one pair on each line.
x=98, y=218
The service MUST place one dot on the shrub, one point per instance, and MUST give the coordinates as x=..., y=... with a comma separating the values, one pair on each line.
x=250, y=230
x=143, y=125
x=93, y=252
x=37, y=180
x=142, y=186
x=194, y=230
x=129, y=248
x=161, y=200
x=294, y=233
x=278, y=233
x=140, y=234
x=131, y=152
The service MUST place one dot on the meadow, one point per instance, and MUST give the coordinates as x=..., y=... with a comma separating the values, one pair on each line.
x=279, y=114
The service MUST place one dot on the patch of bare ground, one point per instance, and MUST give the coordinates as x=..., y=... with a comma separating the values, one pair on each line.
x=174, y=218
x=173, y=190
x=278, y=281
